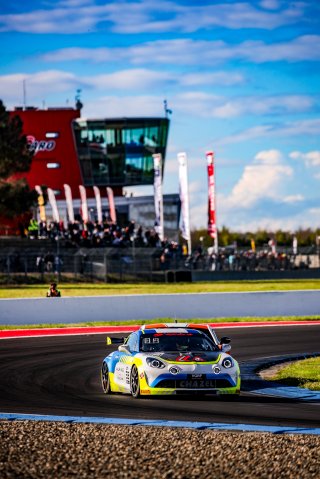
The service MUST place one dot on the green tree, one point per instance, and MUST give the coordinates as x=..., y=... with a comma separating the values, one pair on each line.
x=16, y=197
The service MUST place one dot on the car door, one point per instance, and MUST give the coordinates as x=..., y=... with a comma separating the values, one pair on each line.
x=124, y=364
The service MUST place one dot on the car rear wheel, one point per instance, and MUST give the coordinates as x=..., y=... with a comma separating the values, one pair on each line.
x=135, y=382
x=105, y=379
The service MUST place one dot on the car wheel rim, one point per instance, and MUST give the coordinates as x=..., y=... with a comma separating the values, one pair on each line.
x=134, y=382
x=105, y=378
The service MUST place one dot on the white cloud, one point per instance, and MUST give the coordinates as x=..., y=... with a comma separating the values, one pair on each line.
x=38, y=85
x=136, y=79
x=270, y=4
x=310, y=216
x=293, y=198
x=207, y=105
x=310, y=127
x=311, y=159
x=140, y=105
x=148, y=16
x=41, y=85
x=195, y=52
x=211, y=78
x=260, y=180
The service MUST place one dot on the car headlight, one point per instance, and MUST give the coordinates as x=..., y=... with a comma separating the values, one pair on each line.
x=227, y=363
x=155, y=363
x=175, y=370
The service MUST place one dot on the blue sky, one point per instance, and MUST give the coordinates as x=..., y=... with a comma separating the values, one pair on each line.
x=242, y=79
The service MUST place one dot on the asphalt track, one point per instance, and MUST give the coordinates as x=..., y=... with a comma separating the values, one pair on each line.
x=60, y=376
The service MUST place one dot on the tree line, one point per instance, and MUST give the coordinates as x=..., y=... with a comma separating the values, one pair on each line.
x=16, y=198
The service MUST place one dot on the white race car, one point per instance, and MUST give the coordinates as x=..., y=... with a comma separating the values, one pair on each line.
x=173, y=358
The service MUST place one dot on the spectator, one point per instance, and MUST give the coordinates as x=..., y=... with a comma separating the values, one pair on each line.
x=53, y=292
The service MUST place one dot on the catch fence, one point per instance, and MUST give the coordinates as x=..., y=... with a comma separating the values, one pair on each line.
x=140, y=265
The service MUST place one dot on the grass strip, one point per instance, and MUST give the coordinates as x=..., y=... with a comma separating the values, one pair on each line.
x=303, y=374
x=89, y=289
x=162, y=320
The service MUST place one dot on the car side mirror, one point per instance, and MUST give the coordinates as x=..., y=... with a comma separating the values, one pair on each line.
x=225, y=348
x=225, y=340
x=123, y=349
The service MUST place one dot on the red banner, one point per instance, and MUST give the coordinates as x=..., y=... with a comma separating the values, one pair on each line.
x=212, y=228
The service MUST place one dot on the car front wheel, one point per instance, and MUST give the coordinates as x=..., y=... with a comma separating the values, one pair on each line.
x=135, y=382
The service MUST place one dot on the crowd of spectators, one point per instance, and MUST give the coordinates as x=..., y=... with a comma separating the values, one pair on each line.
x=245, y=260
x=171, y=255
x=93, y=234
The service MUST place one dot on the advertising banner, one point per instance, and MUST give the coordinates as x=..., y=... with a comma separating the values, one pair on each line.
x=212, y=227
x=184, y=198
x=68, y=195
x=84, y=204
x=42, y=209
x=53, y=203
x=98, y=202
x=158, y=198
x=112, y=208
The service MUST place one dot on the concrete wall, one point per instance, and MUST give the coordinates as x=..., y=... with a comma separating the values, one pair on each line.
x=313, y=273
x=146, y=307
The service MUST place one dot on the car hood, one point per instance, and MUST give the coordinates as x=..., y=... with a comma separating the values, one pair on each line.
x=188, y=357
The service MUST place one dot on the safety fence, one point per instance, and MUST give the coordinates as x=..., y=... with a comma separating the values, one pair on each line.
x=140, y=264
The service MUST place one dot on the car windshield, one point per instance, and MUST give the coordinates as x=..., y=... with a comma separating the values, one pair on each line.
x=176, y=342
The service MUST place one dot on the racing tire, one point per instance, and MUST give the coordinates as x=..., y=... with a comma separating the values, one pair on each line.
x=105, y=379
x=134, y=382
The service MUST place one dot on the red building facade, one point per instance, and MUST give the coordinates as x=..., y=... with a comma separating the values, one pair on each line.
x=50, y=137
x=102, y=152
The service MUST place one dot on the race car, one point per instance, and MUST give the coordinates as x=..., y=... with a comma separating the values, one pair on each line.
x=168, y=359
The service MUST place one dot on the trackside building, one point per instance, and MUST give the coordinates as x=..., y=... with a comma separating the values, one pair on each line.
x=109, y=152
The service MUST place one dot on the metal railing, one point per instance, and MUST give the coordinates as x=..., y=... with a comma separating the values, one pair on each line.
x=137, y=264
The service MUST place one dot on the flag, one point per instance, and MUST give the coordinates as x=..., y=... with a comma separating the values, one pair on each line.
x=68, y=195
x=212, y=227
x=184, y=196
x=42, y=209
x=53, y=203
x=158, y=199
x=98, y=202
x=84, y=204
x=112, y=208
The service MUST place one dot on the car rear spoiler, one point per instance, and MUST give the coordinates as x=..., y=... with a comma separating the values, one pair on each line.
x=115, y=340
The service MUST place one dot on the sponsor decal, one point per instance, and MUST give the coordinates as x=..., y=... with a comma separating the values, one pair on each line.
x=120, y=372
x=145, y=391
x=35, y=145
x=141, y=375
x=198, y=384
x=184, y=358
